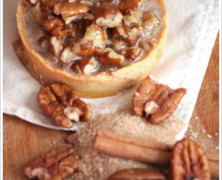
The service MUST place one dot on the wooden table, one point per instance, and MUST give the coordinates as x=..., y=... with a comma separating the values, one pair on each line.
x=24, y=141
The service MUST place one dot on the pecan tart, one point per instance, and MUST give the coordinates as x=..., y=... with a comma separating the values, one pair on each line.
x=97, y=47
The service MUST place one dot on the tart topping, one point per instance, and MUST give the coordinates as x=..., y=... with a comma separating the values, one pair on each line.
x=156, y=102
x=115, y=33
x=189, y=161
x=63, y=105
x=55, y=164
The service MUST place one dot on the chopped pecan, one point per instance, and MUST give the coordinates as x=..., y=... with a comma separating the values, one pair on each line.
x=55, y=164
x=71, y=30
x=137, y=174
x=63, y=105
x=109, y=57
x=70, y=10
x=84, y=48
x=33, y=2
x=118, y=44
x=132, y=54
x=51, y=3
x=43, y=42
x=56, y=45
x=127, y=5
x=155, y=101
x=150, y=24
x=68, y=55
x=97, y=35
x=132, y=18
x=189, y=161
x=108, y=15
x=132, y=34
x=55, y=27
x=87, y=66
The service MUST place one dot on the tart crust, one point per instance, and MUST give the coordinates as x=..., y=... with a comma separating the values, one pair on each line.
x=101, y=85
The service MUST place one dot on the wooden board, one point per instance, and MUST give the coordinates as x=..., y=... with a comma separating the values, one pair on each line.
x=24, y=141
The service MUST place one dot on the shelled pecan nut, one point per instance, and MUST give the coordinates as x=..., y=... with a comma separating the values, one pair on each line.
x=55, y=164
x=137, y=174
x=63, y=105
x=156, y=102
x=189, y=161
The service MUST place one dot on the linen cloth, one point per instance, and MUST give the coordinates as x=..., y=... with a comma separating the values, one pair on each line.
x=193, y=26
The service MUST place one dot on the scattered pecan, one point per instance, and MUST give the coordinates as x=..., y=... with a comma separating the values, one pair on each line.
x=189, y=161
x=109, y=57
x=137, y=174
x=55, y=164
x=108, y=15
x=63, y=105
x=70, y=10
x=127, y=5
x=87, y=66
x=155, y=101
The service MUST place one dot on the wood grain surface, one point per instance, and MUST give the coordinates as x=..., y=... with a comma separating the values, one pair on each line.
x=24, y=141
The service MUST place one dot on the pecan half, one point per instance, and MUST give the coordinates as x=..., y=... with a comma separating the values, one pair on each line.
x=137, y=174
x=55, y=164
x=189, y=161
x=108, y=15
x=63, y=105
x=156, y=102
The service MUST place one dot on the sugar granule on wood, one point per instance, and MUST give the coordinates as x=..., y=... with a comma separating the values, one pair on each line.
x=97, y=166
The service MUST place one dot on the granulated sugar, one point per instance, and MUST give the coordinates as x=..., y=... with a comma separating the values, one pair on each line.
x=97, y=166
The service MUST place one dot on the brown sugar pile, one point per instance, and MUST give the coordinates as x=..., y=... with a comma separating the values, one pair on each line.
x=97, y=166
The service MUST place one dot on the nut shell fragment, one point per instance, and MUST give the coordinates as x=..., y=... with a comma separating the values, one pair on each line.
x=189, y=161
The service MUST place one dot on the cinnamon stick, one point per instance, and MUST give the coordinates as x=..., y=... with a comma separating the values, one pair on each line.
x=141, y=150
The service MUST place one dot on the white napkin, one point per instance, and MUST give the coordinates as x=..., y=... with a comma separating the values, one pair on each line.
x=193, y=26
